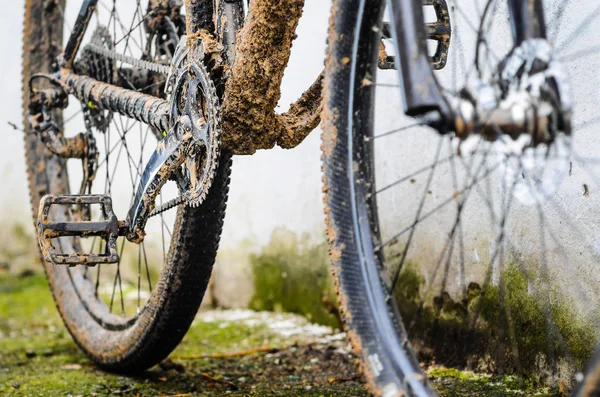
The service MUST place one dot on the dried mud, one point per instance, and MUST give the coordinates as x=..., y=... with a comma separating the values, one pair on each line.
x=254, y=85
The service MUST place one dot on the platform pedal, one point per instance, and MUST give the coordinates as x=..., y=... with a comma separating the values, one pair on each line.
x=50, y=230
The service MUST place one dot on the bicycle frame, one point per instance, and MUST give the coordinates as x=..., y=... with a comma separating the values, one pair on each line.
x=245, y=131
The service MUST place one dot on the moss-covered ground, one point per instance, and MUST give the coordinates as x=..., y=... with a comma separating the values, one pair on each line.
x=38, y=358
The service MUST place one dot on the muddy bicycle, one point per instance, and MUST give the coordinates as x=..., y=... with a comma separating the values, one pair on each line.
x=458, y=141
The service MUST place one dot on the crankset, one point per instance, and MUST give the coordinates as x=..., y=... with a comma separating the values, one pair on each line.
x=188, y=154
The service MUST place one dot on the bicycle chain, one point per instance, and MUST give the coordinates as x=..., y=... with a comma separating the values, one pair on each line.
x=167, y=206
x=138, y=63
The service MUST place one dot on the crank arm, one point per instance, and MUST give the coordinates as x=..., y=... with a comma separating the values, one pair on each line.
x=169, y=155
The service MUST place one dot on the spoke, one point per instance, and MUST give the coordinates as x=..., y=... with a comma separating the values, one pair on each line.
x=117, y=277
x=585, y=24
x=121, y=291
x=147, y=268
x=108, y=154
x=396, y=130
x=134, y=27
x=129, y=157
x=477, y=9
x=162, y=231
x=421, y=205
x=77, y=113
x=139, y=277
x=449, y=242
x=482, y=38
x=97, y=281
x=129, y=38
x=499, y=243
x=558, y=18
x=106, y=158
x=166, y=227
x=461, y=268
x=461, y=55
x=545, y=277
x=411, y=177
x=501, y=286
x=577, y=55
x=442, y=205
x=387, y=85
x=586, y=123
x=448, y=245
x=492, y=63
x=116, y=19
x=114, y=173
x=65, y=20
x=158, y=83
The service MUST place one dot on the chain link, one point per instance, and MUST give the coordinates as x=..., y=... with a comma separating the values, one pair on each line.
x=167, y=206
x=138, y=63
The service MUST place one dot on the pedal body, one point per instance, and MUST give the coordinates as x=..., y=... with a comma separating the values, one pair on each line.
x=48, y=230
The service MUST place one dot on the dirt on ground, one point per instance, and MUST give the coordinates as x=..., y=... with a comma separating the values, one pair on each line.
x=225, y=352
x=235, y=352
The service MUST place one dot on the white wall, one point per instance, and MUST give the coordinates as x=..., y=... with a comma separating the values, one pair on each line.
x=268, y=190
x=14, y=198
x=282, y=188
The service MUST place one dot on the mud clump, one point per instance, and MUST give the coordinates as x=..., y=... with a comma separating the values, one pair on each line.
x=253, y=86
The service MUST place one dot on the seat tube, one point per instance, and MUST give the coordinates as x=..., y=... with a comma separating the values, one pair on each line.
x=79, y=29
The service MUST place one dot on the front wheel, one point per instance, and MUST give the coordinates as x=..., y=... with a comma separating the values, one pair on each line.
x=476, y=253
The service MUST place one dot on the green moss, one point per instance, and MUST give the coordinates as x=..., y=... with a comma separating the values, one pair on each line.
x=510, y=330
x=29, y=305
x=293, y=275
x=451, y=382
x=540, y=321
x=38, y=358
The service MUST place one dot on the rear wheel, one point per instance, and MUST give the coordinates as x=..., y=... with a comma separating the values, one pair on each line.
x=126, y=316
x=471, y=253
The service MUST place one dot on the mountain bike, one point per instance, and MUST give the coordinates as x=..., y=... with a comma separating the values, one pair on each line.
x=449, y=235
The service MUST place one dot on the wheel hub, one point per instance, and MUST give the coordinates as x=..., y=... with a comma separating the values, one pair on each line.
x=529, y=96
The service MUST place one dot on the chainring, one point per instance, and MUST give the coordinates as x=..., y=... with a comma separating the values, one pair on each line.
x=193, y=94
